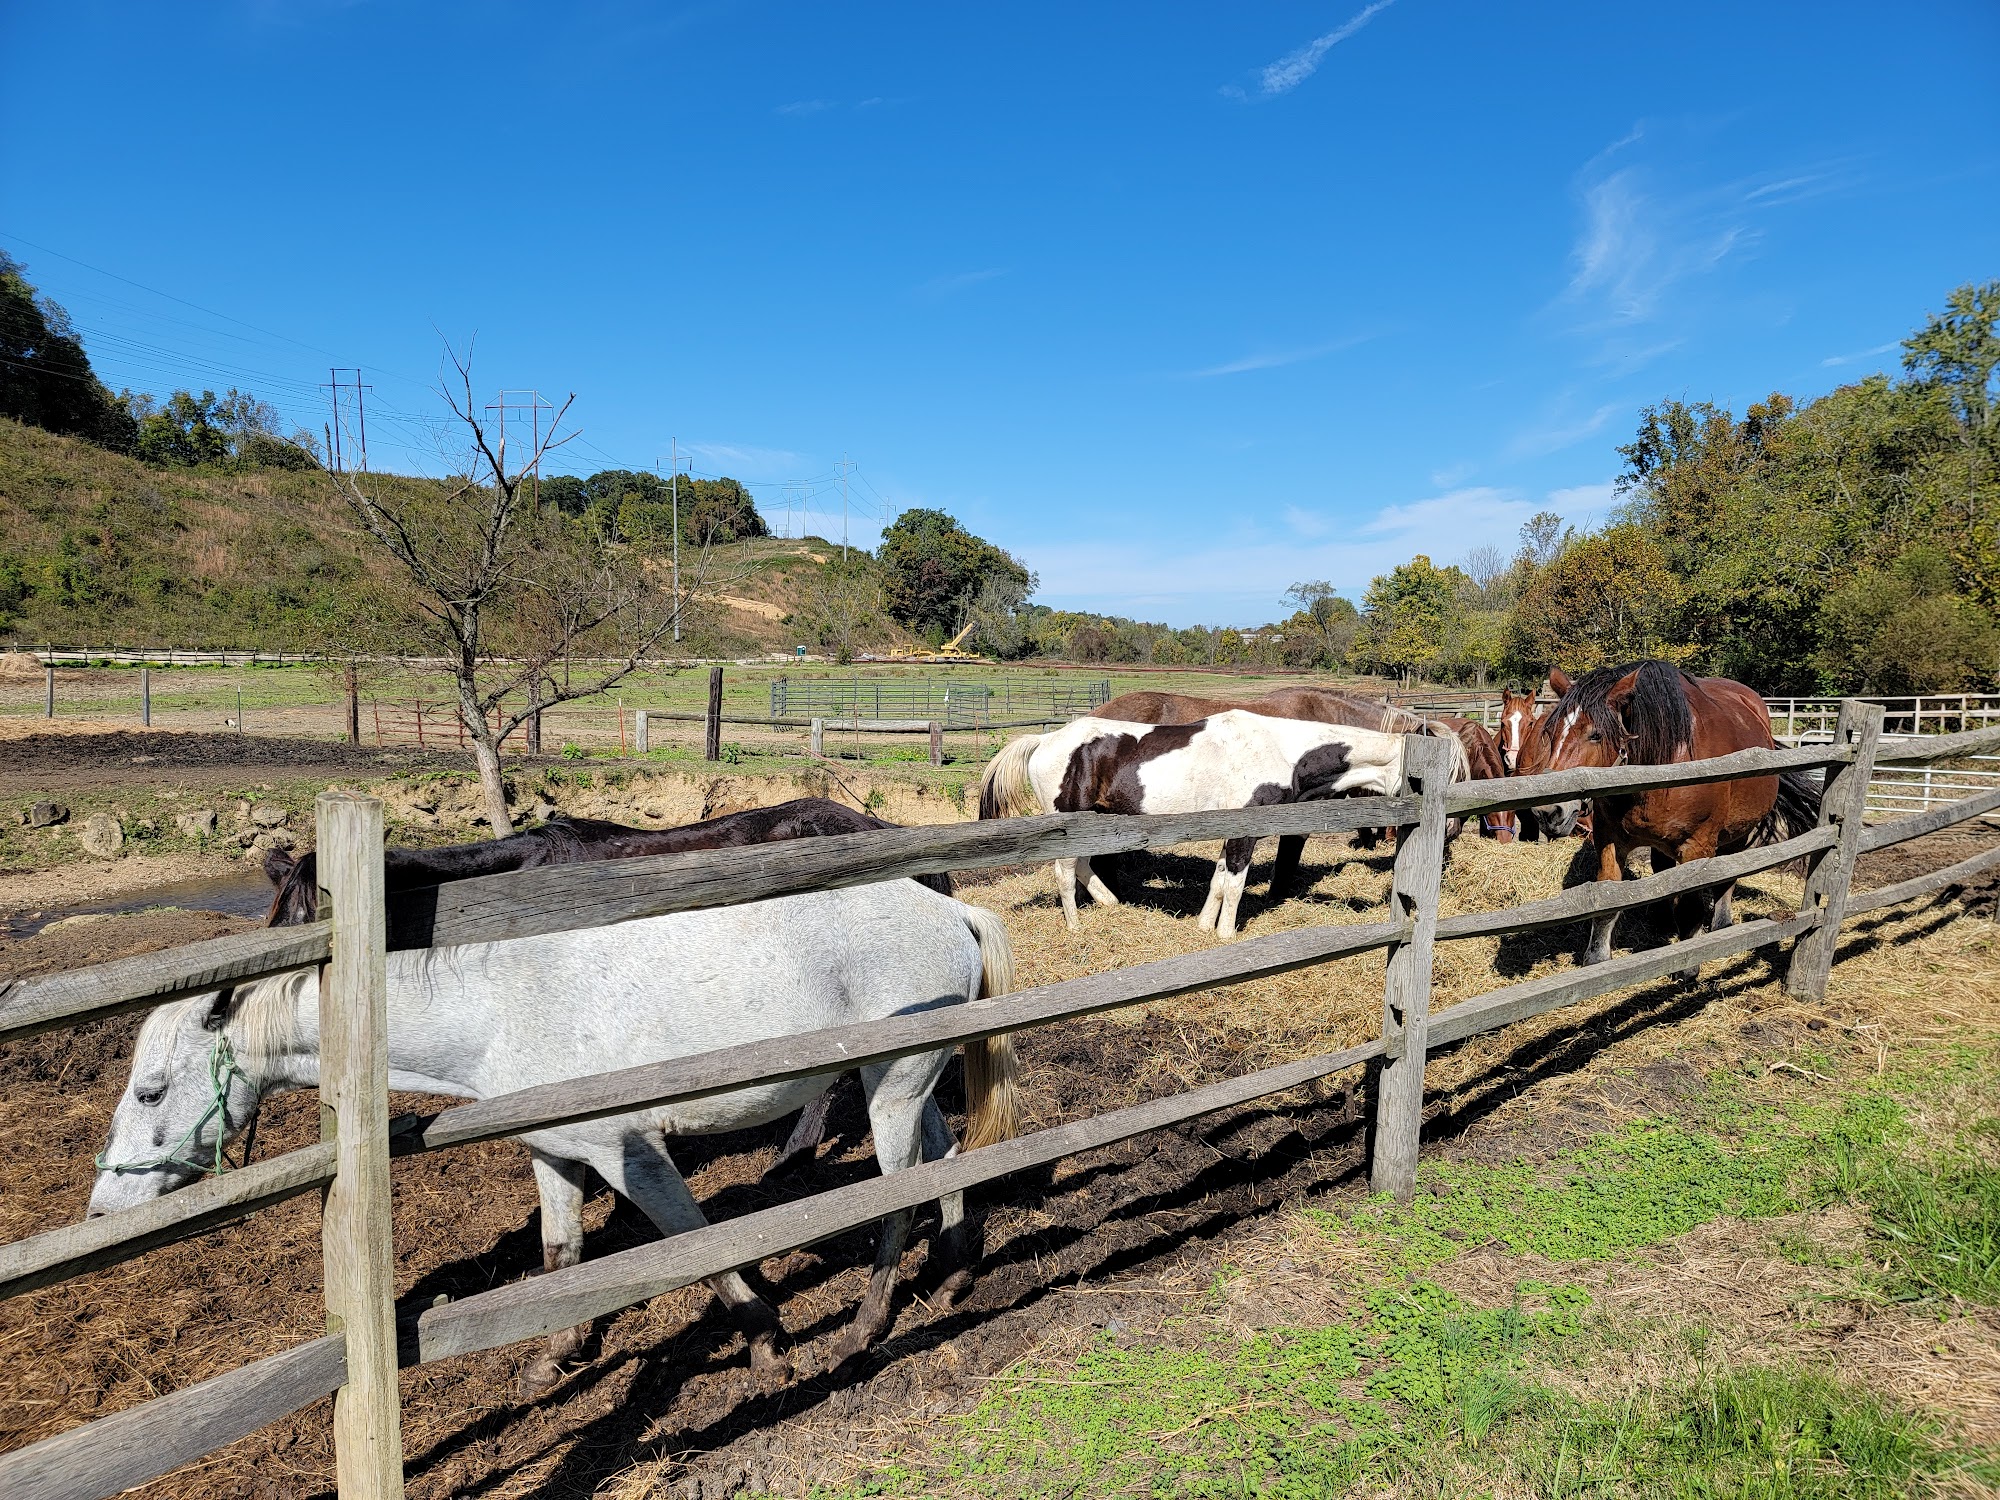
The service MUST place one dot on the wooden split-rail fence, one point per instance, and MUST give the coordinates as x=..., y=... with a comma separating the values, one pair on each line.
x=356, y=1361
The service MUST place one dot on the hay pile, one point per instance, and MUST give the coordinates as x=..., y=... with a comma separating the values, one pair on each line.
x=19, y=664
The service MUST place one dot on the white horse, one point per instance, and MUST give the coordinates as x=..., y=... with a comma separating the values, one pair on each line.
x=489, y=1018
x=1230, y=759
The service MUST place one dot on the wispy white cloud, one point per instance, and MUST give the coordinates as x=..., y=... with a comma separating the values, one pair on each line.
x=1275, y=358
x=1833, y=360
x=1583, y=504
x=1306, y=522
x=1293, y=69
x=804, y=107
x=1642, y=237
x=944, y=286
x=1452, y=475
x=1245, y=583
x=1559, y=432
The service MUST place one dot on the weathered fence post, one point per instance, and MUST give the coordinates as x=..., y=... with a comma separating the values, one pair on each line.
x=1828, y=873
x=354, y=1111
x=48, y=692
x=535, y=714
x=146, y=696
x=1406, y=989
x=937, y=743
x=712, y=748
x=819, y=739
x=353, y=705
x=642, y=739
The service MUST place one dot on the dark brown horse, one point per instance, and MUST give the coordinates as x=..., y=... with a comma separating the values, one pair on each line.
x=1651, y=713
x=1316, y=704
x=570, y=841
x=1482, y=752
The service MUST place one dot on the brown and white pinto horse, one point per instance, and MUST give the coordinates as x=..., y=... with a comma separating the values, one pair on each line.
x=1651, y=713
x=1317, y=705
x=1228, y=760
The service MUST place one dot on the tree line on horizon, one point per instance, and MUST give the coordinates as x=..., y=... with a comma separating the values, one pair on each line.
x=1846, y=543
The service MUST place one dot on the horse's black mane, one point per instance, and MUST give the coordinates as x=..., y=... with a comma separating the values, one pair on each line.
x=1650, y=727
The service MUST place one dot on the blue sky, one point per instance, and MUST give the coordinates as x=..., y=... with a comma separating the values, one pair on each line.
x=1181, y=304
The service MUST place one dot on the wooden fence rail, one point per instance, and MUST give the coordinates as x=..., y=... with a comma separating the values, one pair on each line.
x=358, y=1358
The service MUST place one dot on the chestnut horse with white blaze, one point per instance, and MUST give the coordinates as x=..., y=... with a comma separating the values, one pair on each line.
x=1651, y=713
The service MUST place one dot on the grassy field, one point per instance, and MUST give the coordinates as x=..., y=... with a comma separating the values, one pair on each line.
x=309, y=701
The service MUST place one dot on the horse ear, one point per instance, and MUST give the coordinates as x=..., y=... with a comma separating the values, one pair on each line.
x=218, y=1010
x=277, y=865
x=1559, y=682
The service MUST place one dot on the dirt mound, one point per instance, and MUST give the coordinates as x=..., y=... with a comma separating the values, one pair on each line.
x=19, y=664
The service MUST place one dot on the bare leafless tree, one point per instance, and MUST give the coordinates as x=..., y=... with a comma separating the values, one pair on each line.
x=1487, y=565
x=530, y=607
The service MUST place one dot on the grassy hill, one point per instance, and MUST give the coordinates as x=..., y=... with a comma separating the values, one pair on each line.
x=97, y=548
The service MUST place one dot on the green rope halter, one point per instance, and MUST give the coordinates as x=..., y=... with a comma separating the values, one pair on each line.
x=221, y=1068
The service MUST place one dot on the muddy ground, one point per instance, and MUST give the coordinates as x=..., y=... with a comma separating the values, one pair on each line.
x=664, y=1388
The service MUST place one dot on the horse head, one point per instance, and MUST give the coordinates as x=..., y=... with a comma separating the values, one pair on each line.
x=1517, y=727
x=200, y=1069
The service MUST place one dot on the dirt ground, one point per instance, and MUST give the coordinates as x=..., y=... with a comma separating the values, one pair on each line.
x=96, y=757
x=663, y=1398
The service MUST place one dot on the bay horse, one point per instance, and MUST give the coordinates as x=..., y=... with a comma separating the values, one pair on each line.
x=1230, y=759
x=1651, y=713
x=482, y=1019
x=1317, y=705
x=1482, y=754
x=569, y=841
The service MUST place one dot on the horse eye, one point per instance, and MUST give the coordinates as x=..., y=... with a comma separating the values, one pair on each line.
x=149, y=1096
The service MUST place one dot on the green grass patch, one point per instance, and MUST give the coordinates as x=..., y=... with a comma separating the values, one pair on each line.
x=1933, y=1208
x=1418, y=1393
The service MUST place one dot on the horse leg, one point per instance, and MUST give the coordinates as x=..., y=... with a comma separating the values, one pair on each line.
x=1285, y=872
x=1211, y=909
x=644, y=1172
x=811, y=1129
x=1722, y=916
x=953, y=1257
x=1101, y=893
x=1234, y=873
x=1610, y=866
x=897, y=1093
x=1066, y=888
x=560, y=1183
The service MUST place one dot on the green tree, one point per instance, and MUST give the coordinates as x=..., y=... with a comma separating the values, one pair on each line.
x=1902, y=629
x=933, y=570
x=45, y=377
x=1324, y=621
x=1608, y=598
x=187, y=431
x=1410, y=616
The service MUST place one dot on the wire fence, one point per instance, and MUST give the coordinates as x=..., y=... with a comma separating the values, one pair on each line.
x=956, y=705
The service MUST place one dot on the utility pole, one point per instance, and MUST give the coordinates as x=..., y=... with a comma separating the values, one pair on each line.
x=341, y=431
x=843, y=468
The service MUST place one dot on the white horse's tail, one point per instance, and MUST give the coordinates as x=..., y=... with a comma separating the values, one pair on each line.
x=1005, y=790
x=992, y=1075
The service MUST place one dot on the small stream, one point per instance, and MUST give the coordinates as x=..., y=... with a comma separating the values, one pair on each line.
x=246, y=895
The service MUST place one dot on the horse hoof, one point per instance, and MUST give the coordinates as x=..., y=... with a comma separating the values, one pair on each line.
x=954, y=1286
x=770, y=1364
x=538, y=1377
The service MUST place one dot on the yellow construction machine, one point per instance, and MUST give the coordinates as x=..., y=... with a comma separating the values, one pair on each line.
x=948, y=653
